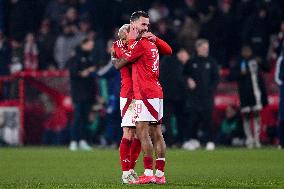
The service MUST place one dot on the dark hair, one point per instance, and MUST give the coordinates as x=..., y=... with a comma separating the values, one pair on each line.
x=137, y=14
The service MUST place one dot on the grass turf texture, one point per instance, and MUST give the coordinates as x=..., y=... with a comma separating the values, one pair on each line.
x=38, y=167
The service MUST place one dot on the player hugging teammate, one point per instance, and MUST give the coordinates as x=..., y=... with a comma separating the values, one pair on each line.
x=136, y=54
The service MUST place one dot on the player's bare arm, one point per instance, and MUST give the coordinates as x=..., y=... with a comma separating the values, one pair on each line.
x=119, y=62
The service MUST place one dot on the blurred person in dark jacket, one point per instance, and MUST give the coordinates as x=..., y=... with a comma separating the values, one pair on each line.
x=2, y=14
x=252, y=91
x=230, y=131
x=279, y=79
x=219, y=30
x=83, y=90
x=256, y=32
x=55, y=11
x=64, y=45
x=5, y=55
x=201, y=73
x=46, y=41
x=24, y=17
x=171, y=77
x=5, y=62
x=71, y=17
x=277, y=44
x=112, y=132
x=189, y=33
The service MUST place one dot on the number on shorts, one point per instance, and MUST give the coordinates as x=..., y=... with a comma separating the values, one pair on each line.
x=138, y=108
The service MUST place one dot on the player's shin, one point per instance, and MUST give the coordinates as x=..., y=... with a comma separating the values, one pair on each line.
x=134, y=152
x=124, y=150
x=142, y=130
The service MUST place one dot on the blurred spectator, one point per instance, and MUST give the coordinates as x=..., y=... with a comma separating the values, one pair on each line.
x=164, y=30
x=55, y=131
x=5, y=62
x=16, y=66
x=99, y=51
x=113, y=132
x=172, y=80
x=85, y=7
x=2, y=15
x=24, y=17
x=81, y=66
x=219, y=30
x=189, y=33
x=46, y=41
x=70, y=18
x=55, y=11
x=279, y=78
x=5, y=55
x=231, y=128
x=277, y=43
x=202, y=77
x=85, y=29
x=252, y=91
x=243, y=10
x=158, y=11
x=256, y=32
x=190, y=8
x=17, y=57
x=64, y=45
x=30, y=53
x=274, y=14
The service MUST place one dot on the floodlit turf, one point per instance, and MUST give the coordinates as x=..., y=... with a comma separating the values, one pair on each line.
x=59, y=168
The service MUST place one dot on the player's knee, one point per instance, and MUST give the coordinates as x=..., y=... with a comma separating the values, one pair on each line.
x=128, y=133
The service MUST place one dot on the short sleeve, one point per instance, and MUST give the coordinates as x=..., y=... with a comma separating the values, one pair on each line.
x=118, y=50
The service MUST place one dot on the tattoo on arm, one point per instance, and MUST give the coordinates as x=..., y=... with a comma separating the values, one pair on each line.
x=119, y=63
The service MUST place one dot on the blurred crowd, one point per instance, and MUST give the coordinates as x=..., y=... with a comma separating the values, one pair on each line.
x=44, y=35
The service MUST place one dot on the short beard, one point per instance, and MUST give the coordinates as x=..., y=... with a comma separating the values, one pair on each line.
x=139, y=36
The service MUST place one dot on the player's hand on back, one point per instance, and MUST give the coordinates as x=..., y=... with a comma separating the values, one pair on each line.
x=150, y=36
x=133, y=33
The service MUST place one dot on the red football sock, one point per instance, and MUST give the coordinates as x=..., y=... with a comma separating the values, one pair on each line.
x=160, y=165
x=124, y=150
x=134, y=152
x=148, y=162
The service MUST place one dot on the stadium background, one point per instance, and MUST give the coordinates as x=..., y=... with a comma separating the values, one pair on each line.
x=35, y=100
x=40, y=89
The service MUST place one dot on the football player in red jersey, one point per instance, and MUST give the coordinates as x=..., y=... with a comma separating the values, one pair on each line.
x=130, y=146
x=148, y=95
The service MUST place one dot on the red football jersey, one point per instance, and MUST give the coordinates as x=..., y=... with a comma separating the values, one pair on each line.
x=126, y=90
x=145, y=69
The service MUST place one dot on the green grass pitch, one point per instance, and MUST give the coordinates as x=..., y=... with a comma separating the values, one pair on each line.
x=42, y=167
